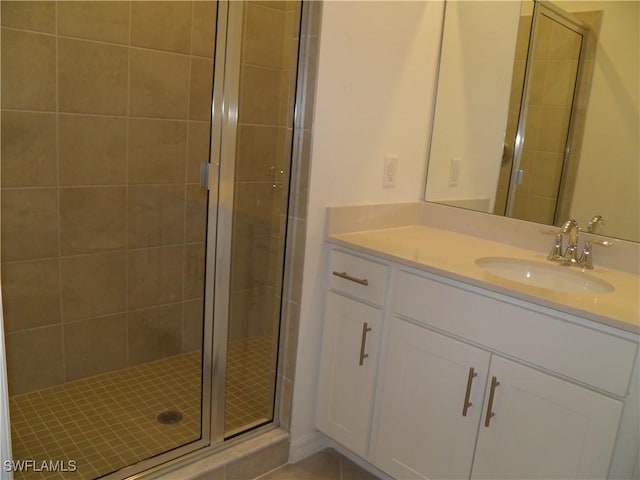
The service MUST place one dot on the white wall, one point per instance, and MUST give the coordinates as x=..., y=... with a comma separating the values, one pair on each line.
x=608, y=181
x=473, y=102
x=375, y=88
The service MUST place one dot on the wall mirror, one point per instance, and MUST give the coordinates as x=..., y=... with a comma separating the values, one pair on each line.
x=537, y=112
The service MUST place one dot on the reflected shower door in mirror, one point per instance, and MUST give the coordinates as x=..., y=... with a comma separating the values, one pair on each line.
x=541, y=124
x=522, y=129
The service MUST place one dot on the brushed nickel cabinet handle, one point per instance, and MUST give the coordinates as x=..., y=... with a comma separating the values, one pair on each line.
x=467, y=403
x=494, y=384
x=346, y=276
x=363, y=342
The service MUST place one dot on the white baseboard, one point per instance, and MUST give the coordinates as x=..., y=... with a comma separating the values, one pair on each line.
x=306, y=446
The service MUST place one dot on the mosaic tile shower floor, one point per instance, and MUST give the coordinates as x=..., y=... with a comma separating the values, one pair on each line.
x=109, y=421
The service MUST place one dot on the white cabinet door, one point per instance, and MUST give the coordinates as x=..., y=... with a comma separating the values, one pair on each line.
x=421, y=430
x=348, y=368
x=544, y=427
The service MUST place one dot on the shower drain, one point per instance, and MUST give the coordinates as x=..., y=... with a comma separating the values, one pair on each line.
x=169, y=417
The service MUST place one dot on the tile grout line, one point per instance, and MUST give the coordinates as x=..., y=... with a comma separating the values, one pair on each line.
x=59, y=197
x=107, y=315
x=138, y=117
x=103, y=42
x=111, y=115
x=127, y=199
x=103, y=252
x=185, y=178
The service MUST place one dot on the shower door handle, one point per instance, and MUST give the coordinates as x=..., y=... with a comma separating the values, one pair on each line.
x=206, y=173
x=519, y=176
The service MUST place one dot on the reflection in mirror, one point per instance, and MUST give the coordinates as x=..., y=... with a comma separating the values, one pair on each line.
x=537, y=112
x=529, y=181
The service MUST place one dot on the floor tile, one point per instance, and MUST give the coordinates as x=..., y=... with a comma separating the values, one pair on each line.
x=325, y=465
x=106, y=422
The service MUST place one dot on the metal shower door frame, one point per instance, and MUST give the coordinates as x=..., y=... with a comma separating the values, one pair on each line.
x=226, y=88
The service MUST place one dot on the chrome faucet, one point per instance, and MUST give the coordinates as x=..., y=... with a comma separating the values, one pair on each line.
x=570, y=255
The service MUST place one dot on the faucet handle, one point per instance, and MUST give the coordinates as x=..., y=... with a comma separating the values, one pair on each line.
x=586, y=259
x=603, y=243
x=556, y=251
x=595, y=224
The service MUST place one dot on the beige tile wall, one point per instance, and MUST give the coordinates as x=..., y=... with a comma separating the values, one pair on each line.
x=105, y=118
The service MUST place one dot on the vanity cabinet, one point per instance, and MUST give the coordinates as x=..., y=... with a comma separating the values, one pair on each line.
x=529, y=424
x=350, y=345
x=471, y=383
x=528, y=417
x=543, y=426
x=424, y=431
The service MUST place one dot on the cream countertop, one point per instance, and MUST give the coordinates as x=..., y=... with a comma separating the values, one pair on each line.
x=453, y=255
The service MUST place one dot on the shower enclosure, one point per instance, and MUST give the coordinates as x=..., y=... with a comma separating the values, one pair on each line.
x=146, y=152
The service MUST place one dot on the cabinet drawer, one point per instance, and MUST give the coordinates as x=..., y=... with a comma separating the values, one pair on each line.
x=578, y=352
x=358, y=277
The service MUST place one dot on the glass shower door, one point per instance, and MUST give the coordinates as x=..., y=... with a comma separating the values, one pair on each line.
x=260, y=198
x=253, y=179
x=106, y=116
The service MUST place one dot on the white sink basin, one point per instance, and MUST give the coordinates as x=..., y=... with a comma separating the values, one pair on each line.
x=550, y=276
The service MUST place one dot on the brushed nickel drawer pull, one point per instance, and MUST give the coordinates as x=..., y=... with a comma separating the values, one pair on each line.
x=494, y=384
x=467, y=403
x=363, y=342
x=361, y=281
